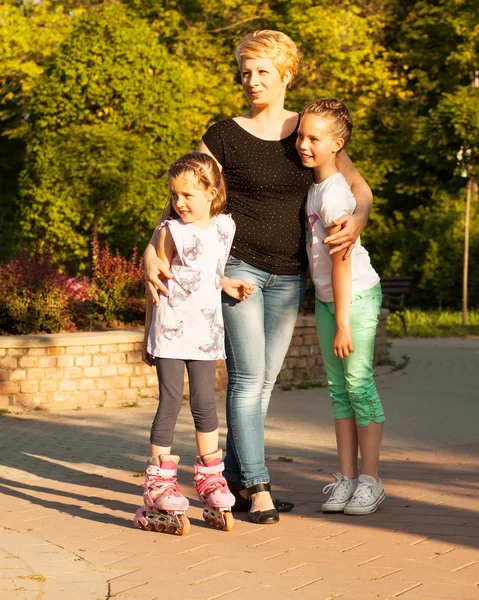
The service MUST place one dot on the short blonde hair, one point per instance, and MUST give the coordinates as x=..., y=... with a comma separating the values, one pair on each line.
x=275, y=45
x=207, y=173
x=336, y=113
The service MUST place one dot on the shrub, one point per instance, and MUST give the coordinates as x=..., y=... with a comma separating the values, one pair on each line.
x=118, y=289
x=34, y=296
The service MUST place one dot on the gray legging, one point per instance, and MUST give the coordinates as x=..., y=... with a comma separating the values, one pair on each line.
x=201, y=375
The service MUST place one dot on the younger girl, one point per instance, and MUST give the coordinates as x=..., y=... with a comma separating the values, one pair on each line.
x=348, y=300
x=187, y=329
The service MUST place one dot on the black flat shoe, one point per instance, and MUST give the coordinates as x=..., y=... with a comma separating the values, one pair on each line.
x=283, y=505
x=242, y=504
x=262, y=517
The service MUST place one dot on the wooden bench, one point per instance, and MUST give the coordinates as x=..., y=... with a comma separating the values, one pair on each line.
x=395, y=290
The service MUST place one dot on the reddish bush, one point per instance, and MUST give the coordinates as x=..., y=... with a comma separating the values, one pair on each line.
x=34, y=296
x=118, y=288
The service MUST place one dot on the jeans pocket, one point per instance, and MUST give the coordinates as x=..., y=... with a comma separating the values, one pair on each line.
x=233, y=263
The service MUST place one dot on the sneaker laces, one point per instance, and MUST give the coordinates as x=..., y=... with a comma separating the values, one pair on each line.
x=340, y=489
x=366, y=491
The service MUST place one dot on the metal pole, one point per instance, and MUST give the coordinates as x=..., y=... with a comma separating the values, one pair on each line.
x=466, y=252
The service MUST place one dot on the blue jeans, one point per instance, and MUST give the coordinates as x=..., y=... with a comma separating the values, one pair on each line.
x=351, y=379
x=258, y=335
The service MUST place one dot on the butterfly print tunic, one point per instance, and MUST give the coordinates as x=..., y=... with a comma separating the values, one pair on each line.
x=189, y=323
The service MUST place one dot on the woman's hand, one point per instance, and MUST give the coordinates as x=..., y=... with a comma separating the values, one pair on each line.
x=156, y=272
x=345, y=238
x=343, y=342
x=145, y=356
x=237, y=288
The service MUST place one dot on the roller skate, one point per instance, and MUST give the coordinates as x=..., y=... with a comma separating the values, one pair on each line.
x=213, y=491
x=164, y=504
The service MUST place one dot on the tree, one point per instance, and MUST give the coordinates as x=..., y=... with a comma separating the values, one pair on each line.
x=456, y=124
x=29, y=34
x=111, y=111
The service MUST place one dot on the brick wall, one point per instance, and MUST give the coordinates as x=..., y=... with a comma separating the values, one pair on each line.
x=105, y=369
x=75, y=369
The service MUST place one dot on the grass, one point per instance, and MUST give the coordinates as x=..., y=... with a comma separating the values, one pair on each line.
x=34, y=577
x=434, y=323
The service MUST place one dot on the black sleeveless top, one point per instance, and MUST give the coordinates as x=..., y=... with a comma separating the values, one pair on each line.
x=267, y=188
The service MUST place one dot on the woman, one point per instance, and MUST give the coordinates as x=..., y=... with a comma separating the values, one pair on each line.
x=267, y=187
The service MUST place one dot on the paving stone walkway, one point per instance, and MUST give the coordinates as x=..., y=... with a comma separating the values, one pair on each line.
x=70, y=483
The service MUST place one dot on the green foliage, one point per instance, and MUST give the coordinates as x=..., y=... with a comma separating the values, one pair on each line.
x=112, y=110
x=104, y=94
x=91, y=182
x=343, y=54
x=29, y=35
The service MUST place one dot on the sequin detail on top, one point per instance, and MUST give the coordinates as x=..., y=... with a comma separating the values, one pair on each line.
x=188, y=324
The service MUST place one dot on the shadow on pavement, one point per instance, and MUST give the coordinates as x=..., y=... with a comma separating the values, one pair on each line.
x=85, y=467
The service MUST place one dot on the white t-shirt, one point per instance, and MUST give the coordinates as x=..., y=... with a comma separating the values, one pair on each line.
x=327, y=201
x=188, y=324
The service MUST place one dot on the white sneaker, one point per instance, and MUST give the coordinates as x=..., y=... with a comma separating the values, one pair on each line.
x=342, y=491
x=368, y=496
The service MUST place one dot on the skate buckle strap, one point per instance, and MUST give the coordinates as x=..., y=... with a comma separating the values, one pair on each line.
x=159, y=472
x=210, y=484
x=210, y=470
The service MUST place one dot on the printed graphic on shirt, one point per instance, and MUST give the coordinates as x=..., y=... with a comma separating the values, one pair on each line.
x=216, y=329
x=312, y=220
x=177, y=296
x=218, y=275
x=170, y=332
x=212, y=350
x=223, y=236
x=193, y=251
x=215, y=348
x=191, y=284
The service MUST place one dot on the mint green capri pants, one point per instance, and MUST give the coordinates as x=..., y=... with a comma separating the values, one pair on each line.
x=351, y=379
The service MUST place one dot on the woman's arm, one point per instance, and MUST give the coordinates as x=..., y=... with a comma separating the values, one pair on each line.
x=341, y=278
x=154, y=265
x=351, y=225
x=165, y=250
x=147, y=358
